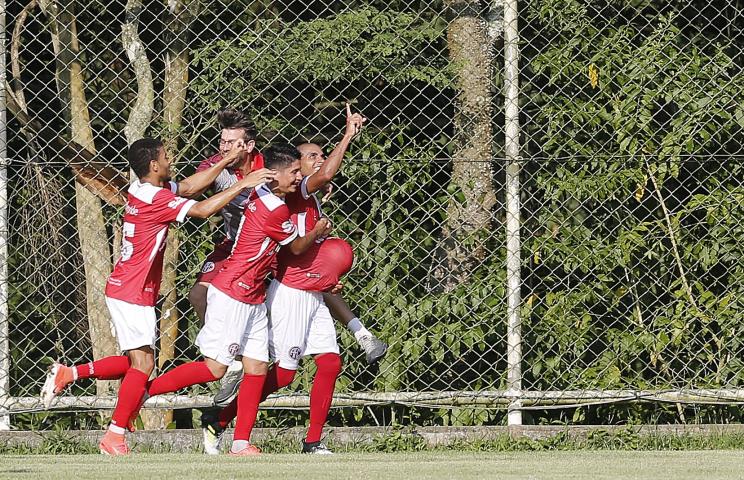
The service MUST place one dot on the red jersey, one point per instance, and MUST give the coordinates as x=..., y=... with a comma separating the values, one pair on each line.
x=304, y=271
x=233, y=211
x=147, y=215
x=304, y=208
x=264, y=228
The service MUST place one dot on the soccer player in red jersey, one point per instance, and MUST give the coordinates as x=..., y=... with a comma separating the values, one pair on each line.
x=153, y=203
x=235, y=321
x=235, y=126
x=301, y=323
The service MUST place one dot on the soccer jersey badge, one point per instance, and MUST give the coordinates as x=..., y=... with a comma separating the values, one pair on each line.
x=295, y=353
x=208, y=267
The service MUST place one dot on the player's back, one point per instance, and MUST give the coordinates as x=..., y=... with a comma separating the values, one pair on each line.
x=148, y=214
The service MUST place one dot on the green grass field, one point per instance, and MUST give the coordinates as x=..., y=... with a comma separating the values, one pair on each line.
x=575, y=465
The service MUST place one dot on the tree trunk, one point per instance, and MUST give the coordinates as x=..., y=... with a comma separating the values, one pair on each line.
x=461, y=249
x=177, y=22
x=94, y=242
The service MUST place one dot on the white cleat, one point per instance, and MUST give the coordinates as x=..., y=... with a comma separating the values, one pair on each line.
x=48, y=390
x=316, y=448
x=212, y=434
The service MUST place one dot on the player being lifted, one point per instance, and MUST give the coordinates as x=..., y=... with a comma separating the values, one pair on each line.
x=236, y=125
x=235, y=319
x=153, y=203
x=300, y=321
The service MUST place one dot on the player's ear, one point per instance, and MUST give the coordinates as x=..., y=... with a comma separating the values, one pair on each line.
x=250, y=145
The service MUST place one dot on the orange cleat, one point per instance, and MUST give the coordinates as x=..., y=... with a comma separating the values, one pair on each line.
x=113, y=444
x=249, y=451
x=58, y=377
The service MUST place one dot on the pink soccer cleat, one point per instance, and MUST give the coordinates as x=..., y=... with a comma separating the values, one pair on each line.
x=57, y=379
x=249, y=451
x=113, y=444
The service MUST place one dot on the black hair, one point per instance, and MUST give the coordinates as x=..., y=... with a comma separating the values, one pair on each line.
x=141, y=153
x=280, y=155
x=230, y=118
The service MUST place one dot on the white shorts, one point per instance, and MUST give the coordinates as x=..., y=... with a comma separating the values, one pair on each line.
x=300, y=325
x=135, y=325
x=233, y=328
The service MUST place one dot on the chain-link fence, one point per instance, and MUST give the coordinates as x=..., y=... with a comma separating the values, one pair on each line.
x=539, y=221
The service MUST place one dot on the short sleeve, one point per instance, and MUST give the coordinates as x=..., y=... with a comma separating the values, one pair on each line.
x=279, y=226
x=208, y=162
x=303, y=188
x=168, y=207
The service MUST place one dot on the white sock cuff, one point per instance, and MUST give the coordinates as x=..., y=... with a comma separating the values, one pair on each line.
x=117, y=429
x=355, y=325
x=238, y=445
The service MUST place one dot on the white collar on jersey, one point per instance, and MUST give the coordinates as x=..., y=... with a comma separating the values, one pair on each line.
x=267, y=197
x=145, y=192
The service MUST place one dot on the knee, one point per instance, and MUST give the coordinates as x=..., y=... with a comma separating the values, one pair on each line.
x=255, y=367
x=217, y=369
x=329, y=363
x=144, y=364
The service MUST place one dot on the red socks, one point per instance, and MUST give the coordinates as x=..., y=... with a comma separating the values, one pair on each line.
x=276, y=379
x=321, y=395
x=130, y=395
x=108, y=368
x=182, y=376
x=249, y=397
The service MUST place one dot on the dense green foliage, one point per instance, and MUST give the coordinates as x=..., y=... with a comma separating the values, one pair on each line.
x=633, y=197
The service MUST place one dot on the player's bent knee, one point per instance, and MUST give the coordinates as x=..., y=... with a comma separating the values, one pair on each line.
x=329, y=363
x=215, y=368
x=252, y=366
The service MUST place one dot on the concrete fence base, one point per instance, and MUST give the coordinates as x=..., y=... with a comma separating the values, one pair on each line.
x=190, y=440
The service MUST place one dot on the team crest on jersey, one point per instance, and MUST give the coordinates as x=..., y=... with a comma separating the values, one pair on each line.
x=208, y=267
x=176, y=202
x=233, y=349
x=288, y=226
x=251, y=206
x=295, y=353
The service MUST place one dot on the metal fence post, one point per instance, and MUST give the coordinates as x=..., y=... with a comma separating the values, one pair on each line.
x=513, y=262
x=4, y=343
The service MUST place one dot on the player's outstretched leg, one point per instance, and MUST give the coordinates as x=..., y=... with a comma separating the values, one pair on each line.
x=374, y=348
x=321, y=396
x=60, y=376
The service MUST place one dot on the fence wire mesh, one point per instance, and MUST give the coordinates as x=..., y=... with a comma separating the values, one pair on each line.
x=631, y=186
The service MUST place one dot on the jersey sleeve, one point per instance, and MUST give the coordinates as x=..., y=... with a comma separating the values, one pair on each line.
x=207, y=162
x=279, y=226
x=168, y=207
x=303, y=188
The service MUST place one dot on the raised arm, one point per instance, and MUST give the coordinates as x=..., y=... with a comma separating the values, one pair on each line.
x=207, y=208
x=331, y=165
x=300, y=244
x=196, y=184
